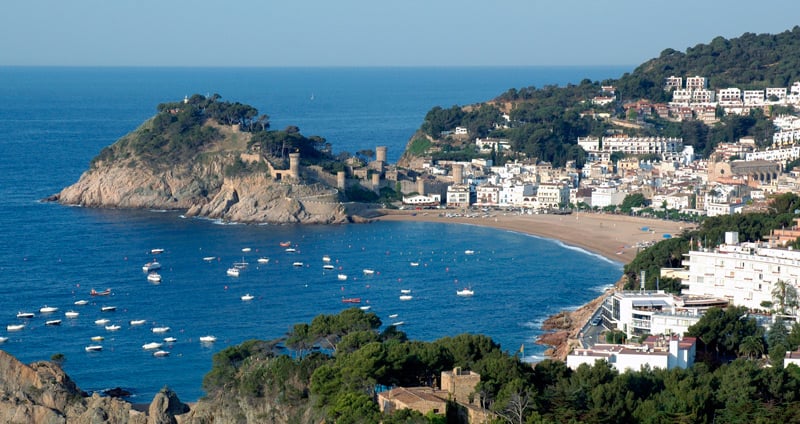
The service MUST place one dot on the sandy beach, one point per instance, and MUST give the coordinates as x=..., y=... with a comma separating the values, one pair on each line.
x=612, y=236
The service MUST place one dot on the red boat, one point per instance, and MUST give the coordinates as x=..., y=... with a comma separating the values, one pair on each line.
x=285, y=243
x=351, y=300
x=105, y=292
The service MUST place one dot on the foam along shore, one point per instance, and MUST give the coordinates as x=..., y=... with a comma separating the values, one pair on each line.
x=613, y=236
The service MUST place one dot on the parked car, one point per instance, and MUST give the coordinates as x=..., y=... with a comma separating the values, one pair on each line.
x=596, y=320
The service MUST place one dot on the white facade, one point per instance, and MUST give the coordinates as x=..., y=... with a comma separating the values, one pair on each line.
x=517, y=194
x=601, y=151
x=552, y=195
x=665, y=352
x=607, y=196
x=487, y=195
x=458, y=196
x=743, y=274
x=428, y=200
x=729, y=96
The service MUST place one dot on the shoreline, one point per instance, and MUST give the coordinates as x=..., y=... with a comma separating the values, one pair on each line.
x=614, y=237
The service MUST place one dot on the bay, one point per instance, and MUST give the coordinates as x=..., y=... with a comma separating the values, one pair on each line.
x=54, y=120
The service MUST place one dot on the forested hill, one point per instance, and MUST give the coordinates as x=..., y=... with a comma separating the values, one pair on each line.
x=752, y=61
x=545, y=122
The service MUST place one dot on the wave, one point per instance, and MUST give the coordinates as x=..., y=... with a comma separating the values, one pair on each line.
x=579, y=249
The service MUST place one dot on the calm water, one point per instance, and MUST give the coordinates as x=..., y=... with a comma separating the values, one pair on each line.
x=54, y=120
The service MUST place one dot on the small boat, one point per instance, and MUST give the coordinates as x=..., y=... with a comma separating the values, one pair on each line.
x=247, y=297
x=414, y=263
x=368, y=271
x=405, y=291
x=365, y=308
x=156, y=251
x=241, y=265
x=137, y=322
x=53, y=322
x=398, y=323
x=285, y=243
x=351, y=300
x=263, y=260
x=152, y=346
x=246, y=249
x=327, y=266
x=48, y=309
x=465, y=292
x=98, y=338
x=170, y=339
x=326, y=258
x=101, y=321
x=151, y=266
x=298, y=264
x=209, y=258
x=154, y=277
x=160, y=329
x=112, y=327
x=24, y=314
x=233, y=272
x=469, y=252
x=93, y=348
x=105, y=292
x=15, y=327
x=393, y=316
x=160, y=353
x=3, y=339
x=342, y=277
x=108, y=308
x=71, y=314
x=81, y=302
x=290, y=250
x=207, y=339
x=406, y=297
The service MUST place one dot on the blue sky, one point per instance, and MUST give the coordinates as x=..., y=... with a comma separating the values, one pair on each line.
x=371, y=32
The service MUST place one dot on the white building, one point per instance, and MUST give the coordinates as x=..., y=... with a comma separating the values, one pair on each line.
x=601, y=150
x=423, y=200
x=487, y=195
x=458, y=196
x=606, y=195
x=517, y=194
x=552, y=195
x=744, y=274
x=665, y=352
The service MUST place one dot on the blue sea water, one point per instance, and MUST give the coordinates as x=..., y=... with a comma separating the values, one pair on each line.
x=54, y=120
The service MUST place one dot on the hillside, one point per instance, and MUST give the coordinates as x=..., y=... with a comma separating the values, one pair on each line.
x=217, y=160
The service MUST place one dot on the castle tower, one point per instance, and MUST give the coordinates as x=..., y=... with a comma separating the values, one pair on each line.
x=421, y=186
x=458, y=173
x=380, y=154
x=341, y=180
x=376, y=182
x=294, y=166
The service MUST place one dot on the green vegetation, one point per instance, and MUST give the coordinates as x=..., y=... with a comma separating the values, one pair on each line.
x=419, y=146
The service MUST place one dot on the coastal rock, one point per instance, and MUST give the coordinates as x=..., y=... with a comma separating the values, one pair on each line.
x=41, y=392
x=165, y=407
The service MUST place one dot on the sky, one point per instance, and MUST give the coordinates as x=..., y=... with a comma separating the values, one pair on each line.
x=358, y=33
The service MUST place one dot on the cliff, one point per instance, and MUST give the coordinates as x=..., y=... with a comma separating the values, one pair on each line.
x=207, y=169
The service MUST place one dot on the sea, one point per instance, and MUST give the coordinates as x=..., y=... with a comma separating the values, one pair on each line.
x=53, y=121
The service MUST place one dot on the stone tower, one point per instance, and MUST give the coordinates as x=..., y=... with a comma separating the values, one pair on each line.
x=458, y=173
x=421, y=186
x=341, y=180
x=380, y=154
x=294, y=166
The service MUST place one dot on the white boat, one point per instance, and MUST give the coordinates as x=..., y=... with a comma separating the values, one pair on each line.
x=298, y=264
x=465, y=292
x=152, y=346
x=93, y=348
x=209, y=258
x=326, y=258
x=232, y=272
x=15, y=327
x=71, y=314
x=81, y=302
x=342, y=277
x=241, y=264
x=101, y=321
x=246, y=249
x=469, y=252
x=53, y=322
x=112, y=327
x=156, y=251
x=290, y=250
x=137, y=322
x=24, y=314
x=247, y=297
x=405, y=291
x=263, y=260
x=393, y=316
x=160, y=353
x=414, y=263
x=368, y=271
x=108, y=308
x=154, y=277
x=98, y=338
x=327, y=266
x=160, y=329
x=406, y=297
x=151, y=266
x=47, y=309
x=398, y=323
x=3, y=339
x=207, y=339
x=365, y=308
x=170, y=339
